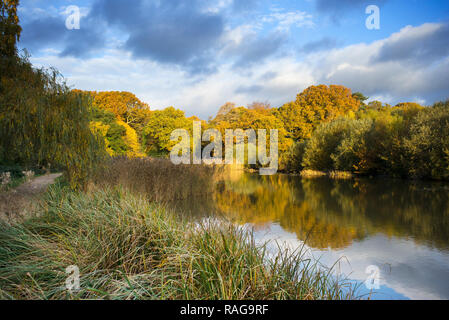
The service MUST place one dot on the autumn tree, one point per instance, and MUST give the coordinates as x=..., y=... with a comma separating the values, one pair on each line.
x=9, y=28
x=254, y=118
x=42, y=122
x=125, y=105
x=157, y=131
x=360, y=96
x=315, y=105
x=260, y=106
x=120, y=139
x=225, y=109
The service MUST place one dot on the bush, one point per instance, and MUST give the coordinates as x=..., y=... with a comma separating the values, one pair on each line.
x=352, y=150
x=323, y=144
x=427, y=148
x=403, y=141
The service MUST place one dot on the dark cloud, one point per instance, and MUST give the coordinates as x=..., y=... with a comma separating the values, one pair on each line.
x=170, y=31
x=322, y=44
x=40, y=33
x=51, y=31
x=256, y=49
x=420, y=48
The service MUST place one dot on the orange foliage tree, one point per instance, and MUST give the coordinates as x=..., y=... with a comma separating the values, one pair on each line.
x=315, y=105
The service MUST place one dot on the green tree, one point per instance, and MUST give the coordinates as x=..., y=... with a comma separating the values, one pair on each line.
x=157, y=132
x=427, y=147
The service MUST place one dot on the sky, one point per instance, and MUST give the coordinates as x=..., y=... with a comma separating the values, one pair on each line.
x=196, y=55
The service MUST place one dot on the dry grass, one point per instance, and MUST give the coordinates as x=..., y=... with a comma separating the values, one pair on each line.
x=340, y=175
x=129, y=248
x=332, y=174
x=312, y=173
x=159, y=179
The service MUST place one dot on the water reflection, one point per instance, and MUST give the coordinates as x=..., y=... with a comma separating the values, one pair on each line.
x=401, y=226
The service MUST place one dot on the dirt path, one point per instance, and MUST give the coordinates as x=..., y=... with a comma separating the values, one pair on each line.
x=16, y=203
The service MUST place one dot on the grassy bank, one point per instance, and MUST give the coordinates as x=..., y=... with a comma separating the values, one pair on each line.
x=129, y=248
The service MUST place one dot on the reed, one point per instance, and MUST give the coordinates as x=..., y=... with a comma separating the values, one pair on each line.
x=127, y=247
x=157, y=178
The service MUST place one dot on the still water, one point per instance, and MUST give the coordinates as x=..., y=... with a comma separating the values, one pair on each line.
x=400, y=227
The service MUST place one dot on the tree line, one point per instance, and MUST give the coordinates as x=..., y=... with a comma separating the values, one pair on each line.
x=45, y=123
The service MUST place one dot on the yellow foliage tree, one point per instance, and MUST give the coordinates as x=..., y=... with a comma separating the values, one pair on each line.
x=315, y=105
x=132, y=141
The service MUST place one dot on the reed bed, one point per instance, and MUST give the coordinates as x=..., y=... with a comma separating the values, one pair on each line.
x=312, y=173
x=127, y=247
x=340, y=175
x=158, y=179
x=332, y=174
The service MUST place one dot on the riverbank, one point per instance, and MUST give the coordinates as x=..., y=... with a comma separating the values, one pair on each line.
x=129, y=248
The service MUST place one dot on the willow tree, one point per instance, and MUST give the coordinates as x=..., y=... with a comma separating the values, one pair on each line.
x=42, y=123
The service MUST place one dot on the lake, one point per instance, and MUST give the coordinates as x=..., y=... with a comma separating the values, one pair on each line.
x=398, y=228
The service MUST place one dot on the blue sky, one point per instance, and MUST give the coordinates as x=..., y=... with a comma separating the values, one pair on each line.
x=197, y=55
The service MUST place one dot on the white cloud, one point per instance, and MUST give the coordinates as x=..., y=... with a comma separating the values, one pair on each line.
x=277, y=79
x=286, y=20
x=411, y=270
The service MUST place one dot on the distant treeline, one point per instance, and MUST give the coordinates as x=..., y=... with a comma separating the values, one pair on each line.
x=326, y=128
x=43, y=122
x=407, y=140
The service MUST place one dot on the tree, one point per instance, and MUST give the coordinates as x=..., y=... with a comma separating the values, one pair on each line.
x=255, y=118
x=359, y=96
x=157, y=132
x=125, y=105
x=42, y=122
x=315, y=105
x=260, y=106
x=225, y=109
x=9, y=28
x=427, y=148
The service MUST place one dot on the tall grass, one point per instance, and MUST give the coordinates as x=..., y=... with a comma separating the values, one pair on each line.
x=129, y=248
x=157, y=178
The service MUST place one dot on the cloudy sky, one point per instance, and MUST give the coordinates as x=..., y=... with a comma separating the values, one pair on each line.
x=198, y=54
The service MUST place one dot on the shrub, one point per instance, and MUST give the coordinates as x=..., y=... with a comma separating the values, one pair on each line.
x=427, y=147
x=323, y=144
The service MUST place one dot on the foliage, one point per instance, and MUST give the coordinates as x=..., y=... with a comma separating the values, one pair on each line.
x=323, y=144
x=427, y=146
x=119, y=137
x=156, y=133
x=407, y=140
x=124, y=105
x=42, y=122
x=10, y=29
x=257, y=116
x=315, y=105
